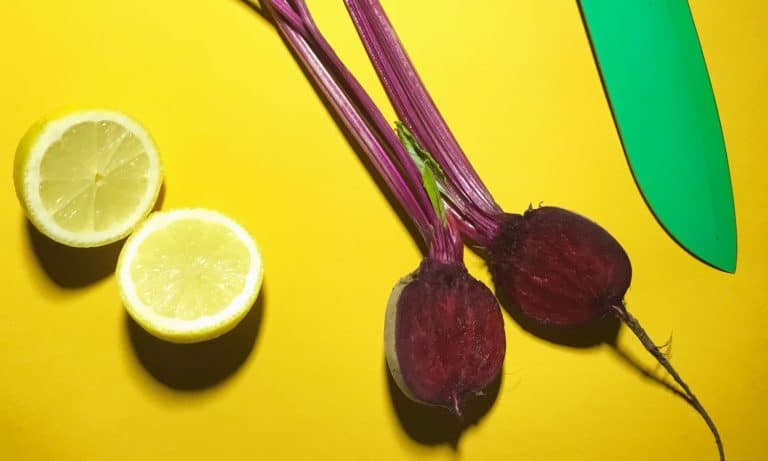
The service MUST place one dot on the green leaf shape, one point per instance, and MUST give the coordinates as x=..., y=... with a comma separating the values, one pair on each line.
x=431, y=174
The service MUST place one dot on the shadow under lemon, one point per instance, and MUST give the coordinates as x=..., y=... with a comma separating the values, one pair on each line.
x=70, y=267
x=197, y=366
x=73, y=268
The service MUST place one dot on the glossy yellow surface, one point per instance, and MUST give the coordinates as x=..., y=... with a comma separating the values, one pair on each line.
x=241, y=130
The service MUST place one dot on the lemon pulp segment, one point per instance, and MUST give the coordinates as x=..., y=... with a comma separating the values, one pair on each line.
x=189, y=270
x=94, y=176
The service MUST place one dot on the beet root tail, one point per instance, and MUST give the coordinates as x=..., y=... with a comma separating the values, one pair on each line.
x=632, y=323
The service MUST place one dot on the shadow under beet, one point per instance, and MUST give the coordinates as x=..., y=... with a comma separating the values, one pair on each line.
x=197, y=366
x=601, y=331
x=429, y=425
x=604, y=331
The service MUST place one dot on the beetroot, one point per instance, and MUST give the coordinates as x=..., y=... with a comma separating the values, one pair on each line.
x=558, y=267
x=444, y=335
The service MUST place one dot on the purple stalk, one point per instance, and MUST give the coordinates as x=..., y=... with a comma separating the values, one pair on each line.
x=369, y=129
x=416, y=108
x=456, y=201
x=287, y=14
x=364, y=102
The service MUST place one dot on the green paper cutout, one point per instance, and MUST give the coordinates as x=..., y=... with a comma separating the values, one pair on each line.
x=656, y=79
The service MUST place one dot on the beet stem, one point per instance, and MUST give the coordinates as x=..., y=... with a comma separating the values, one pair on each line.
x=651, y=347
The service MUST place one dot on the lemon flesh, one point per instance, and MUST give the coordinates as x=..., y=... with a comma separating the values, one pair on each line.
x=189, y=275
x=87, y=178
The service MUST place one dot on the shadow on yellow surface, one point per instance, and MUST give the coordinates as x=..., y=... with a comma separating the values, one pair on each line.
x=604, y=331
x=430, y=425
x=69, y=267
x=631, y=362
x=73, y=268
x=192, y=367
x=255, y=5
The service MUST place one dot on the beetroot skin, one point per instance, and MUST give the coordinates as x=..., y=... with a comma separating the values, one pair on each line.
x=444, y=335
x=559, y=267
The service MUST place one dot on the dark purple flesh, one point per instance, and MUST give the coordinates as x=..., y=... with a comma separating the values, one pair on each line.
x=445, y=335
x=558, y=267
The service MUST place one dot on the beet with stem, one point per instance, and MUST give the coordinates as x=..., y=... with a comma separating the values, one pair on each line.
x=444, y=332
x=444, y=335
x=558, y=267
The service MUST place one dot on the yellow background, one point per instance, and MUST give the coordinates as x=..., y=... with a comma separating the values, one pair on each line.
x=241, y=130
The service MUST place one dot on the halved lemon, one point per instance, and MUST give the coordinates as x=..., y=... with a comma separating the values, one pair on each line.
x=87, y=178
x=189, y=275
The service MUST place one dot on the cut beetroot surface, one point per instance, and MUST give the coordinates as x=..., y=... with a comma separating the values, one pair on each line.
x=559, y=267
x=448, y=336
